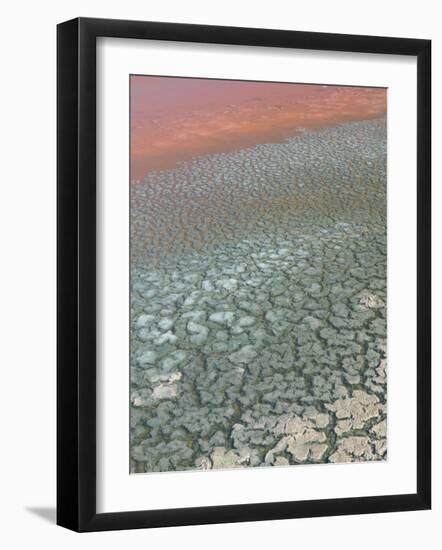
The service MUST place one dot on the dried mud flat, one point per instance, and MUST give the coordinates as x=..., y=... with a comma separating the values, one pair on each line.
x=258, y=305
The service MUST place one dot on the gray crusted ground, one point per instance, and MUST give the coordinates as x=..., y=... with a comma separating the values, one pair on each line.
x=258, y=317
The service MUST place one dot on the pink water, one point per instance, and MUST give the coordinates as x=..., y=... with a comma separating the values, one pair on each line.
x=174, y=119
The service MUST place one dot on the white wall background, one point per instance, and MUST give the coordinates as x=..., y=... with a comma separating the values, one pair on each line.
x=27, y=275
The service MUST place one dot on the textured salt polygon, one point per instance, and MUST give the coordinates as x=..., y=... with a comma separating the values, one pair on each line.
x=335, y=174
x=258, y=305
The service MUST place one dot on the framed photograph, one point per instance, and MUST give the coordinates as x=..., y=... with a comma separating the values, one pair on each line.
x=243, y=274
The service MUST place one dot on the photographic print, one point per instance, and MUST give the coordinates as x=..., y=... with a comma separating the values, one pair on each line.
x=222, y=252
x=258, y=274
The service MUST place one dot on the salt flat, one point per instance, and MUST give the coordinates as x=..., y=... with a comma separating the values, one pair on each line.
x=258, y=305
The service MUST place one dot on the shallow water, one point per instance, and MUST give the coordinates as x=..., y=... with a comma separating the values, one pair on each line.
x=175, y=119
x=258, y=316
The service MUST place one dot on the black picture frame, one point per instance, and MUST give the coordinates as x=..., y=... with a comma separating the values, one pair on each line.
x=76, y=274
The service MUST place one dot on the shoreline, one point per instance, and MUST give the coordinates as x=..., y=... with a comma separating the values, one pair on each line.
x=313, y=178
x=161, y=139
x=281, y=139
